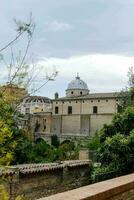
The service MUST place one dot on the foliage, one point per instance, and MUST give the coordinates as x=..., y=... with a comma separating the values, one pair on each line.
x=119, y=150
x=104, y=173
x=126, y=96
x=4, y=195
x=54, y=141
x=9, y=132
x=117, y=142
x=122, y=123
x=67, y=151
x=94, y=142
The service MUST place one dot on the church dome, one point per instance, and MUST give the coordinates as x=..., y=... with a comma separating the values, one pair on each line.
x=77, y=84
x=77, y=87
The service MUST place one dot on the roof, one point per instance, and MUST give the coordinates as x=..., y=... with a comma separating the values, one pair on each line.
x=38, y=99
x=37, y=168
x=78, y=84
x=91, y=96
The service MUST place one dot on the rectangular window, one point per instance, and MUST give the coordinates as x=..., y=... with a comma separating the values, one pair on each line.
x=95, y=109
x=56, y=110
x=69, y=109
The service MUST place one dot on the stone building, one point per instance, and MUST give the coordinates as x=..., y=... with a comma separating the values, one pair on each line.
x=77, y=115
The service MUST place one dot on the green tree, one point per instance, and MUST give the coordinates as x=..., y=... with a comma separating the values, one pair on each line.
x=117, y=141
x=126, y=96
x=55, y=141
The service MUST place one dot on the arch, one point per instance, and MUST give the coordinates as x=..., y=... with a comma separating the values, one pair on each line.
x=66, y=141
x=40, y=139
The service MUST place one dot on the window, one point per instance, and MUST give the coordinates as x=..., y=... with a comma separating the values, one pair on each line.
x=56, y=110
x=81, y=93
x=69, y=109
x=92, y=101
x=98, y=100
x=107, y=100
x=95, y=109
x=72, y=92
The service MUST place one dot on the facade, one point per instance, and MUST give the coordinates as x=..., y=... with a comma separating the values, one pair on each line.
x=77, y=115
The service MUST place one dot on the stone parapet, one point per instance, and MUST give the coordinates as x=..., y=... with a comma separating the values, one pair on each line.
x=39, y=180
x=121, y=188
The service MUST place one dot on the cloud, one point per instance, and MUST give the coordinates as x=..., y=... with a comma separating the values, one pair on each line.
x=57, y=26
x=102, y=73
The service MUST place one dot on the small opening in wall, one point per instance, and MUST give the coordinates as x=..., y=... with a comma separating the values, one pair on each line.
x=98, y=100
x=92, y=101
x=95, y=109
x=106, y=100
x=69, y=109
x=72, y=92
x=81, y=93
x=56, y=110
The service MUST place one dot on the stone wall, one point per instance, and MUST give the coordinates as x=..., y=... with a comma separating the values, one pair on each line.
x=39, y=180
x=121, y=188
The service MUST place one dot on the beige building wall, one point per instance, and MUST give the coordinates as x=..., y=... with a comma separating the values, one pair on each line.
x=43, y=121
x=86, y=106
x=78, y=92
x=97, y=121
x=85, y=125
x=71, y=124
x=56, y=125
x=82, y=121
x=104, y=106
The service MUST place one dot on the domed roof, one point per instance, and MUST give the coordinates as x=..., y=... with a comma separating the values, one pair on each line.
x=37, y=99
x=78, y=84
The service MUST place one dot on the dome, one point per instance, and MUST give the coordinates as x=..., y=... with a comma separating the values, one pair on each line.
x=76, y=88
x=37, y=99
x=77, y=84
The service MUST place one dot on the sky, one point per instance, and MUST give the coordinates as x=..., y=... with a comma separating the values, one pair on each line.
x=92, y=37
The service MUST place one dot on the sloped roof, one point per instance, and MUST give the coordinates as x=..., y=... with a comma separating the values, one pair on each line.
x=92, y=96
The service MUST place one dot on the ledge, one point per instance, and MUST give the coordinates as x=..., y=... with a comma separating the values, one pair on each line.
x=37, y=168
x=98, y=191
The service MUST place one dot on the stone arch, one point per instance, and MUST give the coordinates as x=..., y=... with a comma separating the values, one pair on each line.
x=39, y=139
x=65, y=141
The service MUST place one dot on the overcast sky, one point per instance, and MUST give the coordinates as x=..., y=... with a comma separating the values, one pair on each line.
x=92, y=37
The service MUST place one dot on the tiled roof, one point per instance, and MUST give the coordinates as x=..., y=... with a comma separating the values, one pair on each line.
x=36, y=168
